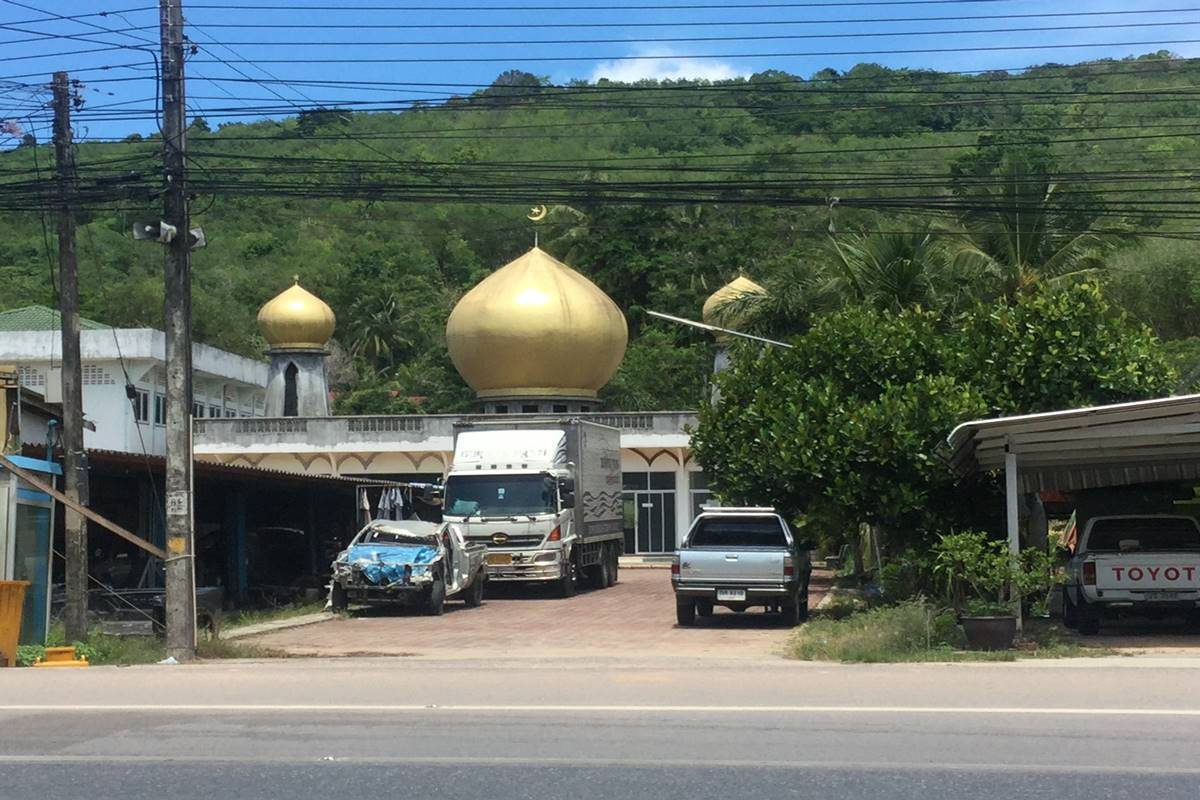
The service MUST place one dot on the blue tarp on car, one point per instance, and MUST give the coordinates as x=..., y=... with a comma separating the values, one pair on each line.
x=386, y=564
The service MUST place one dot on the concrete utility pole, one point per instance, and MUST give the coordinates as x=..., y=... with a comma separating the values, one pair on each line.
x=181, y=576
x=74, y=466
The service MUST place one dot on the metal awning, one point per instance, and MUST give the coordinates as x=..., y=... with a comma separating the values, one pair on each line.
x=1081, y=448
x=1086, y=448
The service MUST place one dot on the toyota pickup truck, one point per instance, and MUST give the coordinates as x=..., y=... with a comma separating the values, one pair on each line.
x=410, y=563
x=740, y=558
x=1143, y=564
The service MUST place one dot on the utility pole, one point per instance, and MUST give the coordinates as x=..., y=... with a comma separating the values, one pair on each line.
x=74, y=466
x=180, y=569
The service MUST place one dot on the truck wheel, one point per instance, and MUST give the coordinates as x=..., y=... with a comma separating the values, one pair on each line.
x=614, y=553
x=602, y=571
x=802, y=606
x=569, y=580
x=338, y=602
x=789, y=610
x=435, y=604
x=474, y=596
x=685, y=611
x=1070, y=612
x=704, y=608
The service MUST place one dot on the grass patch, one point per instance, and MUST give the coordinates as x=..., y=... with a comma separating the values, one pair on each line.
x=260, y=615
x=234, y=648
x=99, y=648
x=917, y=631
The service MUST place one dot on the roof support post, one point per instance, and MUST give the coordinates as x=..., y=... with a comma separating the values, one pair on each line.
x=1012, y=500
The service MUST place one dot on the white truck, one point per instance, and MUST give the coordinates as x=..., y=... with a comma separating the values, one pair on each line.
x=544, y=495
x=1144, y=564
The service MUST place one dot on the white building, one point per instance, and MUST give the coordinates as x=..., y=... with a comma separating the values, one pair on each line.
x=535, y=337
x=113, y=360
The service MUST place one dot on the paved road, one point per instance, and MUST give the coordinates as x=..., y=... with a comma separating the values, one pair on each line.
x=635, y=617
x=653, y=728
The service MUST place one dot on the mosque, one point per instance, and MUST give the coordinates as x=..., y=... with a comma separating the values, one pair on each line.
x=534, y=337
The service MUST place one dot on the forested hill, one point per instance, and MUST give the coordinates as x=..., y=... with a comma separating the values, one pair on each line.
x=660, y=192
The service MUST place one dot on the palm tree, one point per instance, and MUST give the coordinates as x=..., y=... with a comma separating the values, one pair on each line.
x=380, y=331
x=1019, y=233
x=890, y=271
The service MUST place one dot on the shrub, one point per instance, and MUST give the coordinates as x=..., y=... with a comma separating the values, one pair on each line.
x=890, y=633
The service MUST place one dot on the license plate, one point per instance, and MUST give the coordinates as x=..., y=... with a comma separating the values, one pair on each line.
x=499, y=559
x=1162, y=595
x=731, y=594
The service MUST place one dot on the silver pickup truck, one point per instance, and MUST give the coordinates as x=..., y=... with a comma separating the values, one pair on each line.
x=408, y=562
x=739, y=558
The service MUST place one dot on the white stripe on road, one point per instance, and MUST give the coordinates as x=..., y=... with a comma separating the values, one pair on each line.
x=601, y=709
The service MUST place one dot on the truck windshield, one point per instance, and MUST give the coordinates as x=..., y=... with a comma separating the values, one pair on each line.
x=499, y=495
x=762, y=532
x=1143, y=534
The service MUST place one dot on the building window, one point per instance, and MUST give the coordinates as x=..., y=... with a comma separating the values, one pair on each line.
x=529, y=409
x=93, y=375
x=160, y=410
x=291, y=398
x=701, y=494
x=214, y=411
x=198, y=410
x=141, y=406
x=229, y=412
x=560, y=409
x=502, y=409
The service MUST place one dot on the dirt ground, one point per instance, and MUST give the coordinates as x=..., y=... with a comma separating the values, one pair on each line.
x=635, y=618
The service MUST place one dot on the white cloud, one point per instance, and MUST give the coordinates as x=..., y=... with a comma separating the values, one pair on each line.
x=663, y=65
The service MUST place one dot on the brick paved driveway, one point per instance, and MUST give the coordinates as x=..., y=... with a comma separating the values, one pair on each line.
x=635, y=618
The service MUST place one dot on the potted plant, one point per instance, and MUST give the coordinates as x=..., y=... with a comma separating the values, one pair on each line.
x=987, y=582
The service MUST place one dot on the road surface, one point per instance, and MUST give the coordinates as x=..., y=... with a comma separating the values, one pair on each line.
x=666, y=728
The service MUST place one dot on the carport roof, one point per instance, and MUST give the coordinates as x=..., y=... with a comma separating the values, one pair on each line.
x=1082, y=448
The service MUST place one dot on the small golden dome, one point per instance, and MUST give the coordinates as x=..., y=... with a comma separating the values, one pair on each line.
x=296, y=319
x=737, y=288
x=536, y=328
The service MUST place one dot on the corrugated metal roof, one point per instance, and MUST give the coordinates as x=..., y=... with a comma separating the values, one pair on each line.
x=1082, y=448
x=41, y=318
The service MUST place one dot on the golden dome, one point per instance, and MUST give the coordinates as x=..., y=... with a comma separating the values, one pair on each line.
x=296, y=319
x=737, y=288
x=536, y=328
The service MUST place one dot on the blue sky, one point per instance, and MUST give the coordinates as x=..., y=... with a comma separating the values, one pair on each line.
x=465, y=50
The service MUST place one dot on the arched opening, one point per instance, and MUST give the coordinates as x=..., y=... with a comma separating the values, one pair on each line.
x=290, y=398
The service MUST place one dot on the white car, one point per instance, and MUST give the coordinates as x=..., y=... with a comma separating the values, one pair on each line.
x=1145, y=564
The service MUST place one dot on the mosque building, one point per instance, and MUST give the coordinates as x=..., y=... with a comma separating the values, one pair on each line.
x=534, y=337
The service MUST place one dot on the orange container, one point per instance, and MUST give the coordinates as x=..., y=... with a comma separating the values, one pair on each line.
x=12, y=604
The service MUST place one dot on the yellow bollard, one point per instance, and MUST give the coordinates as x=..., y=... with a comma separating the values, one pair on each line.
x=60, y=657
x=12, y=605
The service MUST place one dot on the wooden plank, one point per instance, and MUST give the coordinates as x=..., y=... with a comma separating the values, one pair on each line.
x=107, y=524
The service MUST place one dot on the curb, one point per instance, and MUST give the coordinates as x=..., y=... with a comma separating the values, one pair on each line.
x=277, y=625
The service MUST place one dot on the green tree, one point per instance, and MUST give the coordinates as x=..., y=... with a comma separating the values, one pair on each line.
x=846, y=427
x=659, y=374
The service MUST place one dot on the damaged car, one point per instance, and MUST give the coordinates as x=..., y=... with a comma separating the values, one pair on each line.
x=408, y=562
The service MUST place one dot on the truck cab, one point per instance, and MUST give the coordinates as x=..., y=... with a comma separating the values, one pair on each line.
x=544, y=497
x=741, y=558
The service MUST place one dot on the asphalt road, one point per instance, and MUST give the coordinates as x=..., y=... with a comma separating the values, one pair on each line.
x=567, y=729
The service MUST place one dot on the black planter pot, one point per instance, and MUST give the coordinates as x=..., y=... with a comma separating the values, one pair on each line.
x=989, y=633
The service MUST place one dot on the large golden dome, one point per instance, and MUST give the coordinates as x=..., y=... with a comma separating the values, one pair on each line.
x=739, y=287
x=536, y=328
x=296, y=319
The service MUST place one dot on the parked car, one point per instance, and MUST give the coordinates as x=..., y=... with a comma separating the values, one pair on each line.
x=411, y=563
x=1144, y=564
x=740, y=558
